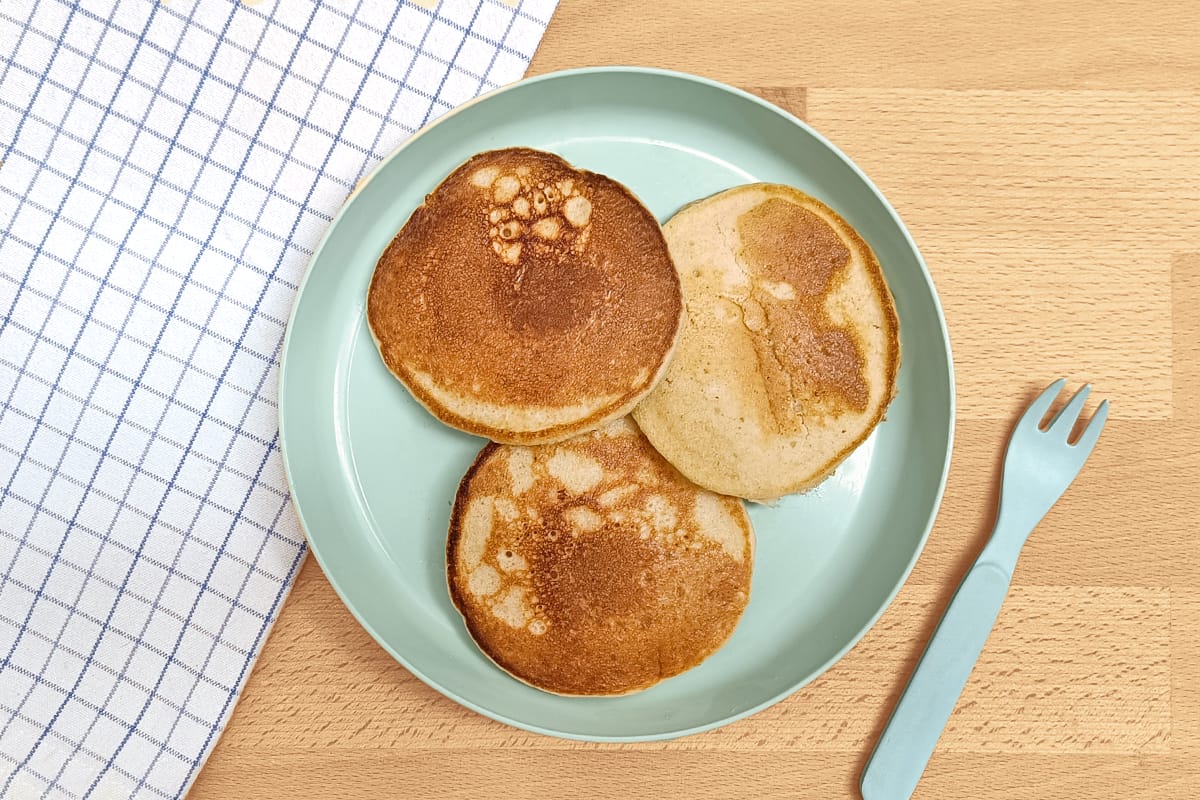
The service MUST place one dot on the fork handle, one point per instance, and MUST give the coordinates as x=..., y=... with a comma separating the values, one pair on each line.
x=933, y=690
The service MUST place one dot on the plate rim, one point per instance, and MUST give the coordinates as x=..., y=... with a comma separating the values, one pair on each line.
x=942, y=479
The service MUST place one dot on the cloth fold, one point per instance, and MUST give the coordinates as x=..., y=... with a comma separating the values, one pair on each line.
x=166, y=170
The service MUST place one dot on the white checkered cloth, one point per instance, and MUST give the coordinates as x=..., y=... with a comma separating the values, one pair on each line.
x=166, y=169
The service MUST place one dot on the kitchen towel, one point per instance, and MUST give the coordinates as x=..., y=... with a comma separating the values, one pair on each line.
x=166, y=170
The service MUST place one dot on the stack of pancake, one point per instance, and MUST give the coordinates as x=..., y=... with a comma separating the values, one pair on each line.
x=752, y=339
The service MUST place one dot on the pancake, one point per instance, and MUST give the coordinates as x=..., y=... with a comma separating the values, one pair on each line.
x=592, y=567
x=525, y=300
x=790, y=350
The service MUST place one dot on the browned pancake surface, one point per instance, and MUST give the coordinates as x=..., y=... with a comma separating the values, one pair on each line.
x=807, y=361
x=526, y=300
x=790, y=351
x=592, y=566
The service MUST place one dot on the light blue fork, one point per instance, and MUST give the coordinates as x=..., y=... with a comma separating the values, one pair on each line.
x=1038, y=467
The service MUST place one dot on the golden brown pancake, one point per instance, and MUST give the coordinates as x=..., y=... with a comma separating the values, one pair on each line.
x=790, y=350
x=526, y=300
x=591, y=566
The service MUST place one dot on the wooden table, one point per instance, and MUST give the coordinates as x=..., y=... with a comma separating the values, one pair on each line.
x=1046, y=158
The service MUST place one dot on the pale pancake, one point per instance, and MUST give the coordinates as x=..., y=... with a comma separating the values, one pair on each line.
x=591, y=566
x=790, y=350
x=526, y=300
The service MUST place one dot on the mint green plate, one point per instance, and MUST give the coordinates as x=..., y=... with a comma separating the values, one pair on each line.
x=373, y=474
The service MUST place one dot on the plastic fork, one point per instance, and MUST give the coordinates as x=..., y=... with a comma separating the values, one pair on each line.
x=1039, y=465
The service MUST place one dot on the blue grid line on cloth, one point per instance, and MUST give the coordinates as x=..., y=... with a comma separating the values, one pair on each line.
x=433, y=16
x=99, y=710
x=4, y=234
x=54, y=299
x=164, y=181
x=81, y=748
x=138, y=469
x=290, y=235
x=105, y=367
x=442, y=84
x=141, y=712
x=199, y=675
x=404, y=80
x=262, y=632
x=41, y=504
x=226, y=84
x=332, y=50
x=24, y=369
x=263, y=529
x=169, y=569
x=132, y=637
x=147, y=260
x=41, y=162
x=112, y=608
x=25, y=29
x=91, y=368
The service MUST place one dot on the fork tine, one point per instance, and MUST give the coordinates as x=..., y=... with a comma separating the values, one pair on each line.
x=1068, y=415
x=1041, y=404
x=1087, y=440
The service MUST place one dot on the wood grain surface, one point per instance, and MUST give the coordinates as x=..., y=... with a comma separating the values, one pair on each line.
x=1046, y=158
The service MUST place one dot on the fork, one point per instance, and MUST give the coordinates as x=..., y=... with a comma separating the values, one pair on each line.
x=1039, y=465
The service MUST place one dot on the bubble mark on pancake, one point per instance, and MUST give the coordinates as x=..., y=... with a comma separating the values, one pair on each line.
x=546, y=228
x=578, y=211
x=506, y=188
x=662, y=512
x=512, y=609
x=614, y=496
x=575, y=471
x=509, y=253
x=511, y=561
x=477, y=527
x=716, y=523
x=506, y=508
x=520, y=469
x=583, y=519
x=550, y=214
x=484, y=178
x=483, y=582
x=780, y=290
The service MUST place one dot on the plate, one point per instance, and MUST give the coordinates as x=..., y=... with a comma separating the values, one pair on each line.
x=373, y=475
